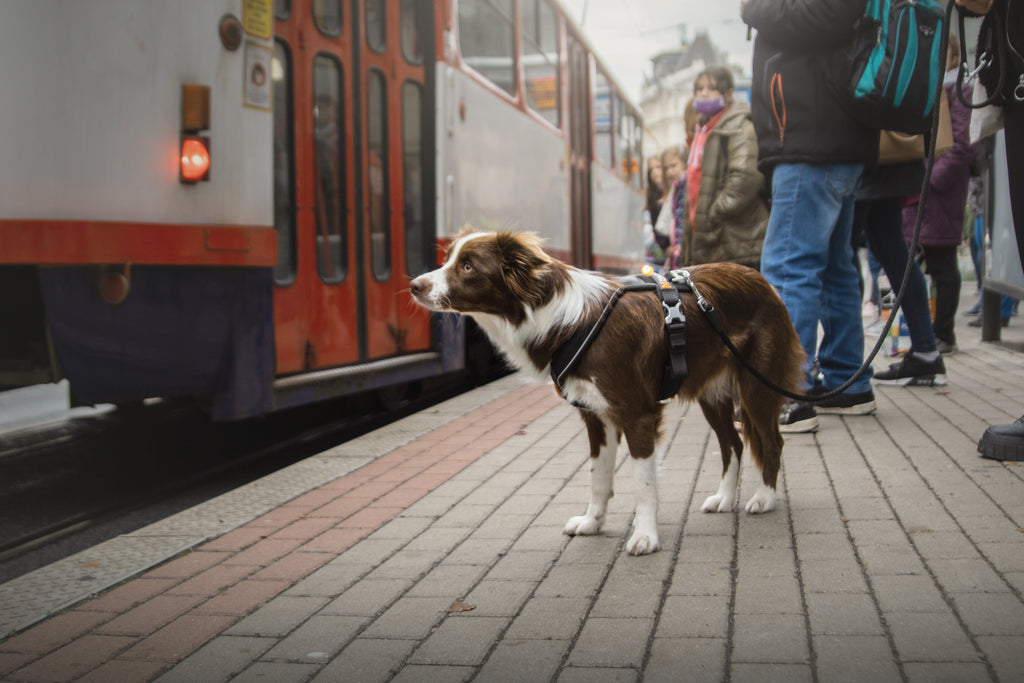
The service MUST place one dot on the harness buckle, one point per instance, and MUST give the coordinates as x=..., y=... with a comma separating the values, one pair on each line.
x=674, y=313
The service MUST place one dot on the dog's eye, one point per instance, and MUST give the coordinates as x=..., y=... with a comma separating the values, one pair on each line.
x=467, y=266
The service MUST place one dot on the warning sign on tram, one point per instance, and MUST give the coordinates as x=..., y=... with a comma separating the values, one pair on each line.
x=258, y=18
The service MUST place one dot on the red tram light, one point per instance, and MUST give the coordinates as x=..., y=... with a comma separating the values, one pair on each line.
x=195, y=158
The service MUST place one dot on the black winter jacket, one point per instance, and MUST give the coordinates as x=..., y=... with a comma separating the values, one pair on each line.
x=797, y=117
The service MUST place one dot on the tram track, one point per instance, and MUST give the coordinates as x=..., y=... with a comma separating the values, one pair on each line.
x=72, y=485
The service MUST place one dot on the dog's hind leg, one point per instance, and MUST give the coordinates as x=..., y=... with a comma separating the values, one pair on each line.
x=646, y=447
x=719, y=415
x=760, y=418
x=604, y=442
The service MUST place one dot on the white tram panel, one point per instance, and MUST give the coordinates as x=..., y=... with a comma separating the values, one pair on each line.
x=616, y=215
x=91, y=119
x=499, y=168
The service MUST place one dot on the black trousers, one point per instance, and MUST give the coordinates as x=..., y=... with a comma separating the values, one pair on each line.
x=941, y=264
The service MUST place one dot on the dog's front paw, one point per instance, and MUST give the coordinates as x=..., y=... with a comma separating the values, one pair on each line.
x=582, y=526
x=719, y=502
x=642, y=544
x=762, y=501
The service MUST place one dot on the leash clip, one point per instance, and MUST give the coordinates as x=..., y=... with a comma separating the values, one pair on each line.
x=683, y=277
x=984, y=61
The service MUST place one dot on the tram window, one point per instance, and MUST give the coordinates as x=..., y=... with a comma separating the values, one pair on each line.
x=329, y=177
x=604, y=116
x=377, y=176
x=375, y=23
x=412, y=178
x=284, y=167
x=327, y=16
x=282, y=9
x=540, y=59
x=486, y=37
x=411, y=42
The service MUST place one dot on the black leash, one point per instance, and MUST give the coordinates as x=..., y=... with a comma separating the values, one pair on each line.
x=579, y=343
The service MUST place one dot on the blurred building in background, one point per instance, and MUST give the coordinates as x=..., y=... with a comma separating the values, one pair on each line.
x=670, y=86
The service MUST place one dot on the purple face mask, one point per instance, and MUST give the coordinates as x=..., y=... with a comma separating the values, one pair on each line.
x=709, y=106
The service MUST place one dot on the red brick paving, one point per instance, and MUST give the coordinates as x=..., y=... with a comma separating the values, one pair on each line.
x=139, y=629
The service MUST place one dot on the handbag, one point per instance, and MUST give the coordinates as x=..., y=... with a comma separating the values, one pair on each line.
x=895, y=147
x=985, y=120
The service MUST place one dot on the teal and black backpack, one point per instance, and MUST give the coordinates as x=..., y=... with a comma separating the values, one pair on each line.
x=894, y=64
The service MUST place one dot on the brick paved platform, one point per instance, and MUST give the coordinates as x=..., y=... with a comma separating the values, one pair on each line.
x=432, y=550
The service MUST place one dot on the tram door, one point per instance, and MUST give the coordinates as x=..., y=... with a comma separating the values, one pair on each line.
x=348, y=160
x=579, y=152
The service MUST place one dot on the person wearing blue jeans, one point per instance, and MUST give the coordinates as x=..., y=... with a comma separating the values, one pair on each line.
x=814, y=151
x=808, y=259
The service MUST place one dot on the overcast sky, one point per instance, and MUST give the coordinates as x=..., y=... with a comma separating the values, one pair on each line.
x=627, y=33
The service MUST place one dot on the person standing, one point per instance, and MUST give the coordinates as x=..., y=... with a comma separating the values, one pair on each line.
x=814, y=152
x=1006, y=441
x=879, y=212
x=725, y=214
x=942, y=225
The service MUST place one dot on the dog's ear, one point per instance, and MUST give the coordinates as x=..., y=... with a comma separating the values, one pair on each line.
x=523, y=262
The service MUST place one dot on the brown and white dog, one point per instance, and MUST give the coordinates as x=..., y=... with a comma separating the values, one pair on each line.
x=529, y=304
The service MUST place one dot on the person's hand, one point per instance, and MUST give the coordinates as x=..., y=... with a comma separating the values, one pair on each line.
x=975, y=6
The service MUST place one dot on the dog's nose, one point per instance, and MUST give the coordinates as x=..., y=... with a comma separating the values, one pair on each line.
x=420, y=286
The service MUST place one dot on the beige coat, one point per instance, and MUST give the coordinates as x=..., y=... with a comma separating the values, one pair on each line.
x=732, y=214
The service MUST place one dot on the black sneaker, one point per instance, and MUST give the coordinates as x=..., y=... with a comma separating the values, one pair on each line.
x=914, y=372
x=798, y=418
x=848, y=404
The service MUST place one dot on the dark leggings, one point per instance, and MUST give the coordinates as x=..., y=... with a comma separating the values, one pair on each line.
x=941, y=264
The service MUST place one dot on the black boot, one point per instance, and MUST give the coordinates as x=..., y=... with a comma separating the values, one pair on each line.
x=1003, y=442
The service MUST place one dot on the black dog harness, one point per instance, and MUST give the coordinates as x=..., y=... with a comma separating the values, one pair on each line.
x=668, y=290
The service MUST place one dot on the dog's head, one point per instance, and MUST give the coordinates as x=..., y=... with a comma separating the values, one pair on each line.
x=501, y=274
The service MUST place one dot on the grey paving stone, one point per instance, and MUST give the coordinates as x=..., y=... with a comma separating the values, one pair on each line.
x=771, y=672
x=409, y=618
x=278, y=617
x=367, y=661
x=515, y=661
x=770, y=638
x=460, y=641
x=855, y=658
x=686, y=659
x=615, y=642
x=317, y=640
x=548, y=618
x=843, y=614
x=278, y=672
x=219, y=659
x=929, y=637
x=694, y=616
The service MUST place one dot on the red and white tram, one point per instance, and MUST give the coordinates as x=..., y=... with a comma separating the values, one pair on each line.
x=225, y=199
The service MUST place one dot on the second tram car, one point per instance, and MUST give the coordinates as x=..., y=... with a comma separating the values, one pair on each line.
x=226, y=199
